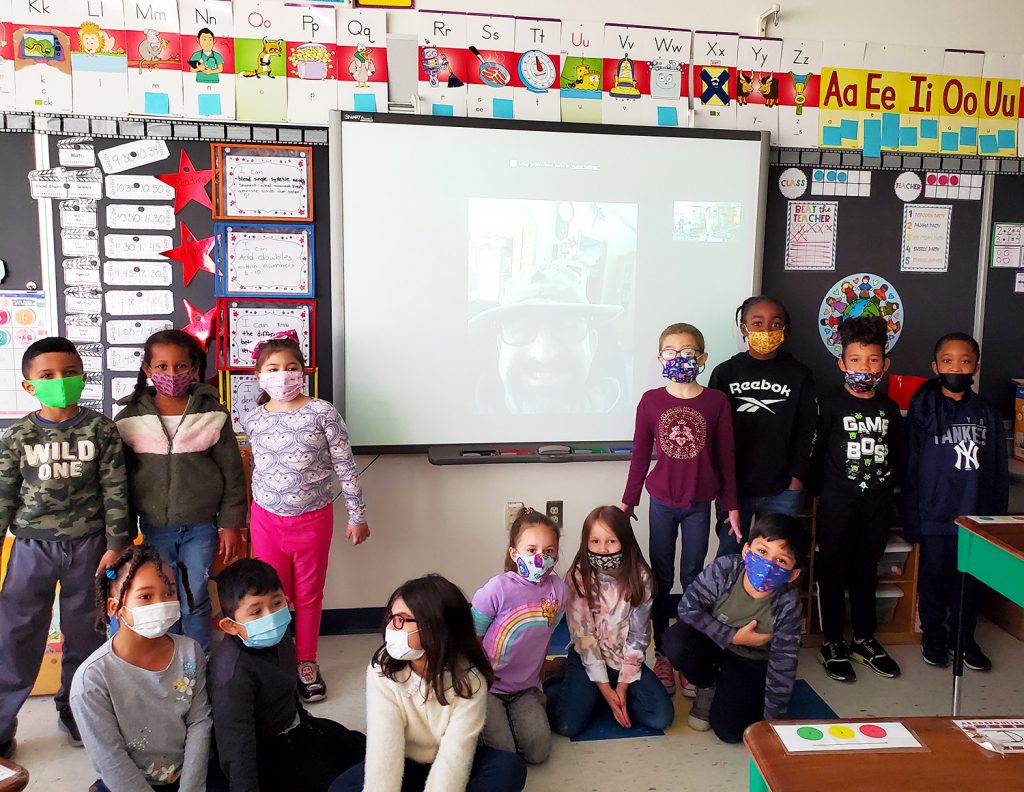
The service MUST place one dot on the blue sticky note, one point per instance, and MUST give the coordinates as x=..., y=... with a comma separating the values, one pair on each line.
x=442, y=110
x=364, y=102
x=209, y=104
x=968, y=136
x=987, y=144
x=848, y=128
x=929, y=128
x=668, y=116
x=501, y=108
x=157, y=104
x=872, y=137
x=1006, y=139
x=950, y=141
x=908, y=137
x=831, y=136
x=891, y=130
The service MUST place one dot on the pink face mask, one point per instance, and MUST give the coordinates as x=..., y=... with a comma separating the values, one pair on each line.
x=282, y=385
x=173, y=385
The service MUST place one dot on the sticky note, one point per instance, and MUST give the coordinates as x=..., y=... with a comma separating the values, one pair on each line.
x=209, y=104
x=364, y=102
x=929, y=128
x=157, y=104
x=831, y=136
x=501, y=108
x=1006, y=139
x=908, y=137
x=442, y=110
x=968, y=136
x=987, y=144
x=872, y=137
x=890, y=130
x=950, y=141
x=668, y=116
x=848, y=128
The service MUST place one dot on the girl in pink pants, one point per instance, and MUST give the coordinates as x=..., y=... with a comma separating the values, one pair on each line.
x=300, y=456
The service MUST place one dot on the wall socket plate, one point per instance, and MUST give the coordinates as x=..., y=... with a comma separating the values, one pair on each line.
x=554, y=512
x=511, y=510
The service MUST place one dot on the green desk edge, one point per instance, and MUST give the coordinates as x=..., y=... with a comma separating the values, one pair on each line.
x=757, y=782
x=990, y=564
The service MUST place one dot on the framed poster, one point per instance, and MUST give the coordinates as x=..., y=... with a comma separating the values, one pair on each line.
x=262, y=182
x=264, y=260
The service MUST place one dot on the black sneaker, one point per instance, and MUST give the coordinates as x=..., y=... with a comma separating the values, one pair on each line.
x=870, y=653
x=8, y=748
x=66, y=723
x=975, y=659
x=311, y=684
x=835, y=659
x=935, y=656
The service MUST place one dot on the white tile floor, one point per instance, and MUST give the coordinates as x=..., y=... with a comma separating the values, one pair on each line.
x=681, y=760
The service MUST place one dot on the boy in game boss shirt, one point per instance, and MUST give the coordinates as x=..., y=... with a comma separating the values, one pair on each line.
x=860, y=452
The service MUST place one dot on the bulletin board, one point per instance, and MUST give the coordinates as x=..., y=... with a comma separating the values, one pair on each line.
x=869, y=239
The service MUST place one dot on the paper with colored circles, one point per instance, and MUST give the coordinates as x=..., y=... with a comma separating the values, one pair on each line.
x=22, y=322
x=837, y=736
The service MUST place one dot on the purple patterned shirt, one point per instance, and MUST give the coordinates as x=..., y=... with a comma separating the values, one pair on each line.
x=299, y=457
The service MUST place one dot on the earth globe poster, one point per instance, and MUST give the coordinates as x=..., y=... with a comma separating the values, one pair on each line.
x=860, y=294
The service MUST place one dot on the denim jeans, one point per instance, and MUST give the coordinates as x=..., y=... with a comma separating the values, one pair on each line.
x=195, y=546
x=492, y=771
x=665, y=524
x=786, y=502
x=573, y=699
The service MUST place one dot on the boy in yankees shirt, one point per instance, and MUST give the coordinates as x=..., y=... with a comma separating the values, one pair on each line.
x=956, y=465
x=859, y=451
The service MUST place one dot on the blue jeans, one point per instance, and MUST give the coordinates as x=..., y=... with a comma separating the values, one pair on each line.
x=573, y=698
x=665, y=524
x=786, y=502
x=492, y=771
x=195, y=546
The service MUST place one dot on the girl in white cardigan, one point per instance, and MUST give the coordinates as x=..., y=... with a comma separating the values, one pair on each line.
x=426, y=698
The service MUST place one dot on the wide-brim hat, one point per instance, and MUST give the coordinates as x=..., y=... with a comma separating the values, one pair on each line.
x=546, y=288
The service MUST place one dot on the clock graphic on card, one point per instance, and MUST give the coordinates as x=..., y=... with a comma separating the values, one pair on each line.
x=537, y=71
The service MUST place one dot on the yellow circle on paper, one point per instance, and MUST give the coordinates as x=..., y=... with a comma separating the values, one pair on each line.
x=841, y=732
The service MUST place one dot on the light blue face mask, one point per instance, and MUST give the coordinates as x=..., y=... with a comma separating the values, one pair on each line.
x=266, y=631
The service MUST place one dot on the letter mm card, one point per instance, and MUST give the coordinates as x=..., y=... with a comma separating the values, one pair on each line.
x=154, y=57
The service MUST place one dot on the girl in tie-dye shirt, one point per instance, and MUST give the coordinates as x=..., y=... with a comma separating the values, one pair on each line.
x=515, y=613
x=301, y=458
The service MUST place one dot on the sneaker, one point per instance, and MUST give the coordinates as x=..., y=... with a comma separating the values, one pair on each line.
x=700, y=712
x=311, y=684
x=870, y=653
x=686, y=687
x=975, y=659
x=835, y=659
x=935, y=656
x=8, y=748
x=665, y=673
x=66, y=723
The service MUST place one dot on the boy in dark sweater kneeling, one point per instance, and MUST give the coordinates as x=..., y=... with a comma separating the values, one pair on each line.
x=265, y=739
x=739, y=628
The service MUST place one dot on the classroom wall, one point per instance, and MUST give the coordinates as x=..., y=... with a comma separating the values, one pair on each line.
x=450, y=519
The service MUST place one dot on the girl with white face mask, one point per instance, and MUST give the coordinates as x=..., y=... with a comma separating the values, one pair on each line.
x=299, y=449
x=140, y=700
x=426, y=699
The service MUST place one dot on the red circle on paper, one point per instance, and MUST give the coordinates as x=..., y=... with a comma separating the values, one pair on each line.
x=931, y=178
x=954, y=180
x=870, y=730
x=943, y=180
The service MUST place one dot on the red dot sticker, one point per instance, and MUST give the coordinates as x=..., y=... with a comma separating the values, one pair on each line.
x=931, y=178
x=943, y=180
x=871, y=730
x=954, y=180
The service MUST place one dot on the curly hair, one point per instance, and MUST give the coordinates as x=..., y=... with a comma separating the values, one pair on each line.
x=116, y=579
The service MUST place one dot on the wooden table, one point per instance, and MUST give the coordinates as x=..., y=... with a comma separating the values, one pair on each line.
x=16, y=783
x=990, y=549
x=951, y=762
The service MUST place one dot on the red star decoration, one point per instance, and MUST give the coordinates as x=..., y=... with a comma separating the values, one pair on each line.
x=200, y=325
x=194, y=254
x=189, y=184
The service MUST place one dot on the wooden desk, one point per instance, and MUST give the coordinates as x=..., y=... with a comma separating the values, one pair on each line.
x=951, y=762
x=18, y=781
x=991, y=551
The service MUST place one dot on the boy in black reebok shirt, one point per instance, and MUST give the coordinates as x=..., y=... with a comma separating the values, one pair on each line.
x=859, y=449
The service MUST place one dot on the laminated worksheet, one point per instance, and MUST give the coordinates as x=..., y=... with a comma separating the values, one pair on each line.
x=261, y=79
x=312, y=62
x=249, y=325
x=154, y=57
x=362, y=65
x=208, y=58
x=265, y=261
x=263, y=182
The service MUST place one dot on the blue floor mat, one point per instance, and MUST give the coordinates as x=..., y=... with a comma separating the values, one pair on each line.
x=605, y=727
x=806, y=704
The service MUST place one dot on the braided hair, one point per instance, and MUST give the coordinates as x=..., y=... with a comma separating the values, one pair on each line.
x=178, y=338
x=757, y=299
x=118, y=578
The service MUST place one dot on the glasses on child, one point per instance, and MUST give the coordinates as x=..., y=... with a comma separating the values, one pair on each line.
x=398, y=621
x=523, y=331
x=672, y=354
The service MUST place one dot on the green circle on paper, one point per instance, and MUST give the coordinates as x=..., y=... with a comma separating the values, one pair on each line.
x=809, y=733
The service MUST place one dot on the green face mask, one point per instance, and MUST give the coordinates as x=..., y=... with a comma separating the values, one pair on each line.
x=58, y=392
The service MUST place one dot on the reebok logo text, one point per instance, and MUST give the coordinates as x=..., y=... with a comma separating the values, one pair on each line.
x=737, y=388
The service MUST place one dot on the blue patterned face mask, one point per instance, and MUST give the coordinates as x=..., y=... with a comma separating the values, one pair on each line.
x=534, y=567
x=863, y=381
x=764, y=575
x=680, y=369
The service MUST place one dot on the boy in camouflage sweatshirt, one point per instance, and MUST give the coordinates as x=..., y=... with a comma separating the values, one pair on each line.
x=64, y=497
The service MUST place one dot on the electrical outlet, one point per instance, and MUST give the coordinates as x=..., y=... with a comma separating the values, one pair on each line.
x=511, y=510
x=554, y=509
